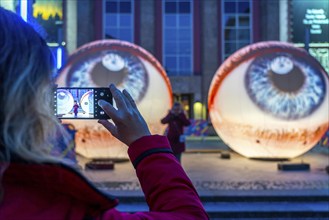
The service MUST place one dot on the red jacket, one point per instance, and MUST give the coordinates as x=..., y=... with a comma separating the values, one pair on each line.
x=175, y=129
x=54, y=191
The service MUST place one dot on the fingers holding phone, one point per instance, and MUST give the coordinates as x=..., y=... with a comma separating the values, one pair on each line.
x=128, y=124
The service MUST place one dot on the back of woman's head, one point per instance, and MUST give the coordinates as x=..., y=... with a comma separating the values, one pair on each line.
x=25, y=87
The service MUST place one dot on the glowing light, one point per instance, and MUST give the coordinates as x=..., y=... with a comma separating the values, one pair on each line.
x=23, y=8
x=199, y=110
x=59, y=55
x=49, y=8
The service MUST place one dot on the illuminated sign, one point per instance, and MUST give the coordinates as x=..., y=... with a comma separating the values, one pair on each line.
x=312, y=17
x=316, y=18
x=48, y=19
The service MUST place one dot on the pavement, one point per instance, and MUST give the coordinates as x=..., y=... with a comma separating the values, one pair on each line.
x=213, y=175
x=235, y=185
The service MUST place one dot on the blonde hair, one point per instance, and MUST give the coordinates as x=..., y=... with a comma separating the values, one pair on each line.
x=27, y=120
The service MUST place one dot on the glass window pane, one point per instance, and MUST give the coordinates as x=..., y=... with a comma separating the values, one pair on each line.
x=184, y=48
x=125, y=7
x=229, y=21
x=125, y=34
x=111, y=20
x=185, y=21
x=125, y=21
x=118, y=22
x=230, y=34
x=184, y=35
x=184, y=7
x=242, y=44
x=237, y=23
x=111, y=34
x=170, y=34
x=171, y=48
x=230, y=48
x=111, y=7
x=177, y=34
x=244, y=34
x=244, y=21
x=243, y=7
x=170, y=7
x=127, y=38
x=170, y=20
x=229, y=7
x=170, y=62
x=185, y=63
x=174, y=33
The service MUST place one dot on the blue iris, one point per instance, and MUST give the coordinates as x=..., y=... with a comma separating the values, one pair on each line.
x=290, y=96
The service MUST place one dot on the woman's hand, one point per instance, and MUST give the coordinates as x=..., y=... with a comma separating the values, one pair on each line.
x=129, y=125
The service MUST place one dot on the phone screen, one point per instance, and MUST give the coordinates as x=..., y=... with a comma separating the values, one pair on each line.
x=80, y=103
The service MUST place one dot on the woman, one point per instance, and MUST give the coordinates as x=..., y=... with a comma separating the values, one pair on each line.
x=176, y=121
x=35, y=185
x=75, y=109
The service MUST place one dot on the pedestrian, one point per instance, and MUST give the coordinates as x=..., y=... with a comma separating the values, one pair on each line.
x=176, y=121
x=75, y=109
x=36, y=185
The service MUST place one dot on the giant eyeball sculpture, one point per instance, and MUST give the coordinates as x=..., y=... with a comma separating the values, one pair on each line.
x=270, y=100
x=128, y=66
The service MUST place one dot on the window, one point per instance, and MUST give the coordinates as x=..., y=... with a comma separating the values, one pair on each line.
x=236, y=25
x=177, y=36
x=118, y=19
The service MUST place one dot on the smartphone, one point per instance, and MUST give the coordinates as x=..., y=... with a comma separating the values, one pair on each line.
x=80, y=103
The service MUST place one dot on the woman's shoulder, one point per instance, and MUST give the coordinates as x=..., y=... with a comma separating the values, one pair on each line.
x=57, y=177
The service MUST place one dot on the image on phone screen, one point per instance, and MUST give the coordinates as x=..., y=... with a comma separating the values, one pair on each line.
x=75, y=103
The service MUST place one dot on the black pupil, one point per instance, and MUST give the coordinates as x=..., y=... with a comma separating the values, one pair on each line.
x=290, y=82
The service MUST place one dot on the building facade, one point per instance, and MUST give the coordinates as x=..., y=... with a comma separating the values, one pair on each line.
x=191, y=38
